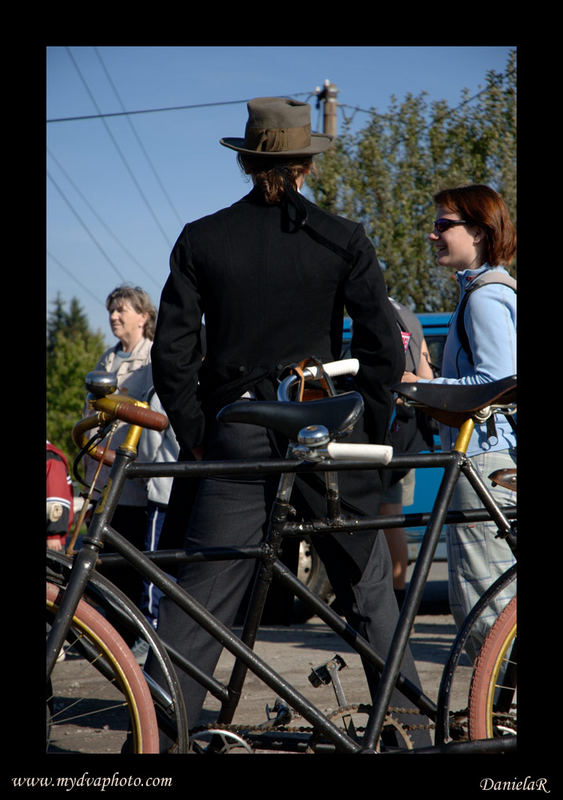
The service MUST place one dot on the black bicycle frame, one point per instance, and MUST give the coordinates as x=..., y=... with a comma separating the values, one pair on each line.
x=242, y=648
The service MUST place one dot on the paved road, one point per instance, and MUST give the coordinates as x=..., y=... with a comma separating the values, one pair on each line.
x=295, y=650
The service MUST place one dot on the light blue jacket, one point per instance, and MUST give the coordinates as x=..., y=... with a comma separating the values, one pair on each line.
x=490, y=324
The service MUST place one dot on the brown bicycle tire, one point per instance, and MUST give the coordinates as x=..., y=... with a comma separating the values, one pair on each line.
x=494, y=651
x=128, y=673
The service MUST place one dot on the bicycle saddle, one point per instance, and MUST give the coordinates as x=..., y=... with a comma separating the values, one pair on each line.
x=337, y=414
x=453, y=404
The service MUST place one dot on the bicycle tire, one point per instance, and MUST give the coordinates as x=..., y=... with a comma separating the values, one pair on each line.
x=119, y=667
x=450, y=671
x=129, y=621
x=496, y=652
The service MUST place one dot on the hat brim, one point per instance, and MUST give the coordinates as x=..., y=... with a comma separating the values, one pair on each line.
x=319, y=143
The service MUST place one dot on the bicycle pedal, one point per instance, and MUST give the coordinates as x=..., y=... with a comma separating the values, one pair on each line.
x=282, y=714
x=325, y=673
x=328, y=673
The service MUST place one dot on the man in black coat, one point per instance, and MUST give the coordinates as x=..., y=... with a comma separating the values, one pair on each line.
x=272, y=274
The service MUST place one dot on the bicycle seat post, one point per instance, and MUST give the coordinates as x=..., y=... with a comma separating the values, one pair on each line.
x=312, y=442
x=464, y=435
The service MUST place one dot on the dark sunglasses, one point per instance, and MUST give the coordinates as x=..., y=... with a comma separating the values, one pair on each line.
x=441, y=225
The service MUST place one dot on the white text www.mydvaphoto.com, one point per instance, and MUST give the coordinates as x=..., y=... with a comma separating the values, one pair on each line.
x=101, y=782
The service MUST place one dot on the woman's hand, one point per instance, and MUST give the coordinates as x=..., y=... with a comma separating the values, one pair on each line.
x=409, y=377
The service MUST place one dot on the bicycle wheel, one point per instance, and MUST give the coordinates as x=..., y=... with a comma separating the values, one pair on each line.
x=492, y=695
x=126, y=618
x=97, y=696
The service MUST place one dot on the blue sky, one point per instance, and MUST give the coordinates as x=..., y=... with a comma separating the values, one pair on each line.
x=120, y=189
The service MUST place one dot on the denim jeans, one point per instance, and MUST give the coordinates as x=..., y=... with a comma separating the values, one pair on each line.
x=476, y=558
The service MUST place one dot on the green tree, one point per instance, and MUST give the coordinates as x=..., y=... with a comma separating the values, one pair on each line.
x=386, y=174
x=73, y=322
x=72, y=351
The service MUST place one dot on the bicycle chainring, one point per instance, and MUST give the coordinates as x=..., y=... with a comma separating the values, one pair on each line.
x=231, y=738
x=218, y=741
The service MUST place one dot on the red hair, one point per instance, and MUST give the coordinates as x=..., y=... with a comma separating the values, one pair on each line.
x=484, y=207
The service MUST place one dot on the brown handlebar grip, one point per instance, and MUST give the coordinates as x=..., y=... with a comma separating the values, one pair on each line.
x=138, y=415
x=133, y=414
x=125, y=410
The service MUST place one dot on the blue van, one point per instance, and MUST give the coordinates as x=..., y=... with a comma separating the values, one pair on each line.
x=435, y=329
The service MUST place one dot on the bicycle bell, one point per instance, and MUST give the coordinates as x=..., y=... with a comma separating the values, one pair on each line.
x=100, y=383
x=313, y=436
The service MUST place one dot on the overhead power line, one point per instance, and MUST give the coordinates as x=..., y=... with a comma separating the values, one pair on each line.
x=74, y=278
x=144, y=111
x=449, y=111
x=98, y=217
x=88, y=231
x=138, y=138
x=124, y=160
x=230, y=103
x=160, y=110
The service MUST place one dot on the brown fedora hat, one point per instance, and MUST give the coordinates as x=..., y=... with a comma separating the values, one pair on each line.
x=278, y=126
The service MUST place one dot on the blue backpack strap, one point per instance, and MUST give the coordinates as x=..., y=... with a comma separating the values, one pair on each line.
x=482, y=280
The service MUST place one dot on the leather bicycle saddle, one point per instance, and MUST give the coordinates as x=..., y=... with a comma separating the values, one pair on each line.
x=337, y=414
x=452, y=403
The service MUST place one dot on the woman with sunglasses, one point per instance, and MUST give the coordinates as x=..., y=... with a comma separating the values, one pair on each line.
x=474, y=235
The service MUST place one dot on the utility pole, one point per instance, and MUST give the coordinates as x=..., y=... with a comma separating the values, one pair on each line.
x=328, y=95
